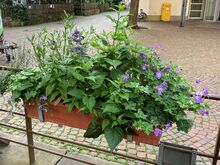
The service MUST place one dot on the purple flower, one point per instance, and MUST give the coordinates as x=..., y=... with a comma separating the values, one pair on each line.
x=158, y=132
x=145, y=60
x=198, y=81
x=168, y=126
x=153, y=47
x=159, y=74
x=157, y=53
x=144, y=66
x=153, y=65
x=77, y=49
x=167, y=67
x=75, y=34
x=43, y=98
x=141, y=54
x=160, y=46
x=165, y=85
x=205, y=91
x=204, y=112
x=198, y=98
x=7, y=98
x=177, y=70
x=126, y=77
x=160, y=90
x=77, y=37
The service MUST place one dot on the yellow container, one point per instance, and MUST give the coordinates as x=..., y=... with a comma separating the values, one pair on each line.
x=166, y=11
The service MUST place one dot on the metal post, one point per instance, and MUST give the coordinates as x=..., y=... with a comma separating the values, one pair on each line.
x=183, y=13
x=30, y=141
x=217, y=148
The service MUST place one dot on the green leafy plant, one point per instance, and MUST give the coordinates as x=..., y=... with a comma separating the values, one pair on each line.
x=124, y=86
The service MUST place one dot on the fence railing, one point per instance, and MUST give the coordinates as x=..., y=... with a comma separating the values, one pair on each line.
x=30, y=143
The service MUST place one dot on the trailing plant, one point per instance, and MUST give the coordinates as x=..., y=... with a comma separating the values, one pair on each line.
x=124, y=85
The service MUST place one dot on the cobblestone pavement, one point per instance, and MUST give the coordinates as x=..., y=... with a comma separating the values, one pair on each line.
x=195, y=47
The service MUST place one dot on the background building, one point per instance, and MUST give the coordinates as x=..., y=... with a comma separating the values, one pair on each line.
x=196, y=9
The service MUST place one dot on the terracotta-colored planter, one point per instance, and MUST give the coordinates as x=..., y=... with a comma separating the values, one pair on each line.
x=142, y=137
x=58, y=114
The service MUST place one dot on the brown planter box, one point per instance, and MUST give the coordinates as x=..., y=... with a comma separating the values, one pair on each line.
x=58, y=114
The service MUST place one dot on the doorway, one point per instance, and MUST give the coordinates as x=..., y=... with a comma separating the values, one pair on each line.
x=212, y=10
x=196, y=9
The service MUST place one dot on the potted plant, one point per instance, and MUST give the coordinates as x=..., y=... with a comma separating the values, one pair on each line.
x=122, y=88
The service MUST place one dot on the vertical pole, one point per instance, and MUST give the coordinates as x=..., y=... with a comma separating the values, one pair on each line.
x=183, y=13
x=30, y=141
x=217, y=148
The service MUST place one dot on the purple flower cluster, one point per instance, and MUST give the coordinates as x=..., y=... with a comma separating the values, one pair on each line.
x=141, y=54
x=161, y=88
x=144, y=66
x=198, y=81
x=177, y=70
x=158, y=46
x=126, y=77
x=153, y=65
x=205, y=91
x=204, y=112
x=168, y=126
x=158, y=132
x=198, y=98
x=167, y=67
x=77, y=37
x=159, y=74
x=43, y=98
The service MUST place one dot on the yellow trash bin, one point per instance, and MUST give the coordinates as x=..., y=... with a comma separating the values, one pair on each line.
x=166, y=11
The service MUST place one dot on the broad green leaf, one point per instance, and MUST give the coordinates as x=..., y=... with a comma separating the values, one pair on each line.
x=89, y=102
x=24, y=86
x=54, y=95
x=16, y=94
x=111, y=108
x=103, y=40
x=105, y=123
x=99, y=81
x=93, y=78
x=30, y=94
x=94, y=130
x=114, y=136
x=132, y=85
x=49, y=89
x=78, y=76
x=57, y=101
x=114, y=63
x=78, y=93
x=124, y=96
x=70, y=107
x=144, y=89
x=27, y=73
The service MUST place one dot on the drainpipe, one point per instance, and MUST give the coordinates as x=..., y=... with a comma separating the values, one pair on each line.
x=183, y=13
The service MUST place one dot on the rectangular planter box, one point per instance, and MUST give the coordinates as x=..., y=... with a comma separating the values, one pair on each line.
x=58, y=114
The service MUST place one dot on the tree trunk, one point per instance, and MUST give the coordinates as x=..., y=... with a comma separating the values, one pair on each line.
x=132, y=21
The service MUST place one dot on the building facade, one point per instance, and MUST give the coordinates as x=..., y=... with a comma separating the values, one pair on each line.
x=208, y=10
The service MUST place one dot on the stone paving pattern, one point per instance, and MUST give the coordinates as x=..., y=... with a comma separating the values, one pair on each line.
x=195, y=47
